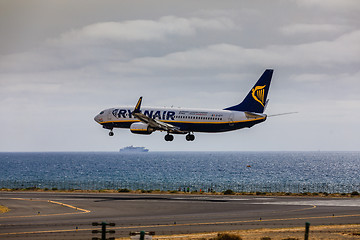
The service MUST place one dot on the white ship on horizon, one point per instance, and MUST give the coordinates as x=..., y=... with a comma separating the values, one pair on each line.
x=132, y=149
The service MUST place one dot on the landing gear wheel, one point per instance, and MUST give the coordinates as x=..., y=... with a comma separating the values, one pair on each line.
x=190, y=137
x=111, y=133
x=169, y=137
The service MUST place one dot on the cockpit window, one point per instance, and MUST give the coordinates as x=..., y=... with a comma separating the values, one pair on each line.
x=101, y=112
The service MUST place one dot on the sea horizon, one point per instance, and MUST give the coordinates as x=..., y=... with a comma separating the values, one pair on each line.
x=266, y=171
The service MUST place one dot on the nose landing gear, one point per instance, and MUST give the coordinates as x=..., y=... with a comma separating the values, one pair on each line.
x=111, y=133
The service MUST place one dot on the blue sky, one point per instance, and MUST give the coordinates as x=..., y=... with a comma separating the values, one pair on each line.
x=62, y=62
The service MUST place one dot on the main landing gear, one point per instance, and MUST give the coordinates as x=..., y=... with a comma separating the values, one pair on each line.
x=169, y=137
x=190, y=137
x=111, y=133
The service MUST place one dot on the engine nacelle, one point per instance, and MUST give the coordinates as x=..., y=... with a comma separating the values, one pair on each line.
x=141, y=128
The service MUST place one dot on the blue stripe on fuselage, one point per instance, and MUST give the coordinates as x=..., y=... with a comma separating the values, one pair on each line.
x=215, y=127
x=193, y=126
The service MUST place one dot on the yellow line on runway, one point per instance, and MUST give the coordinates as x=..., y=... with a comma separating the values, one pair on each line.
x=3, y=209
x=81, y=210
x=70, y=206
x=312, y=207
x=262, y=220
x=297, y=210
x=182, y=224
x=48, y=231
x=232, y=222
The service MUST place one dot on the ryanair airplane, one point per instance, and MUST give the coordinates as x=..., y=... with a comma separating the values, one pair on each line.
x=187, y=121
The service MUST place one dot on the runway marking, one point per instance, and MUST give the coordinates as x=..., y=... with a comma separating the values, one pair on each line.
x=181, y=224
x=81, y=210
x=70, y=206
x=3, y=209
x=297, y=210
x=243, y=221
x=236, y=214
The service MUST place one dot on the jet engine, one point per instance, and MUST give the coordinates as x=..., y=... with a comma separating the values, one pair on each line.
x=141, y=128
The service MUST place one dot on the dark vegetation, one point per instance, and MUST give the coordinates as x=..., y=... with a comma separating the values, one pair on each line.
x=158, y=191
x=123, y=190
x=229, y=192
x=226, y=236
x=354, y=193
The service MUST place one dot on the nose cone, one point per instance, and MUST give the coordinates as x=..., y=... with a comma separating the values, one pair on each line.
x=98, y=118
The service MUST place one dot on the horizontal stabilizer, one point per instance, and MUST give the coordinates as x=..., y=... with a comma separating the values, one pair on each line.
x=280, y=114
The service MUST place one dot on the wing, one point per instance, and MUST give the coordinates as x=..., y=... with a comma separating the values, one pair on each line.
x=156, y=124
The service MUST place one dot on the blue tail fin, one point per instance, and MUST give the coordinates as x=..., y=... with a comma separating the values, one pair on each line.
x=256, y=99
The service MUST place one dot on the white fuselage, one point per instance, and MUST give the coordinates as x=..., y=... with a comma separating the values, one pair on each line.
x=191, y=120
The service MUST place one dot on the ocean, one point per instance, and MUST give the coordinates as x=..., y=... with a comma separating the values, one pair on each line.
x=209, y=171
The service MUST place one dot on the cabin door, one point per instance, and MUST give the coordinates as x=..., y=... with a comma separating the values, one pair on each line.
x=231, y=119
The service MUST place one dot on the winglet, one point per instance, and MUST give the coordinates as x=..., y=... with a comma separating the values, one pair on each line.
x=138, y=105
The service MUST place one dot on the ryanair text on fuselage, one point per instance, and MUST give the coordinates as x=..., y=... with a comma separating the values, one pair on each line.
x=187, y=121
x=160, y=115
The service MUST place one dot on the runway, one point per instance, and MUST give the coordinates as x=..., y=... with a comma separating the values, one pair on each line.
x=44, y=215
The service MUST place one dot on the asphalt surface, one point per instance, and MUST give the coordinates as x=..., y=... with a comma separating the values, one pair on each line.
x=44, y=215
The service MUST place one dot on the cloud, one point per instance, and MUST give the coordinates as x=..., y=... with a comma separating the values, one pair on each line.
x=345, y=78
x=332, y=86
x=343, y=50
x=144, y=30
x=143, y=47
x=318, y=29
x=110, y=41
x=205, y=60
x=347, y=5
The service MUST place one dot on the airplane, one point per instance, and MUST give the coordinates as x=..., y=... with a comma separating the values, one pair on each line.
x=146, y=120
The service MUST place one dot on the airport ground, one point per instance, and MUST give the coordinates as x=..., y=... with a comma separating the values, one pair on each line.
x=56, y=215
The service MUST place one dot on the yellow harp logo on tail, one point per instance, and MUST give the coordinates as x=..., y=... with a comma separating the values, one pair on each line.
x=258, y=93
